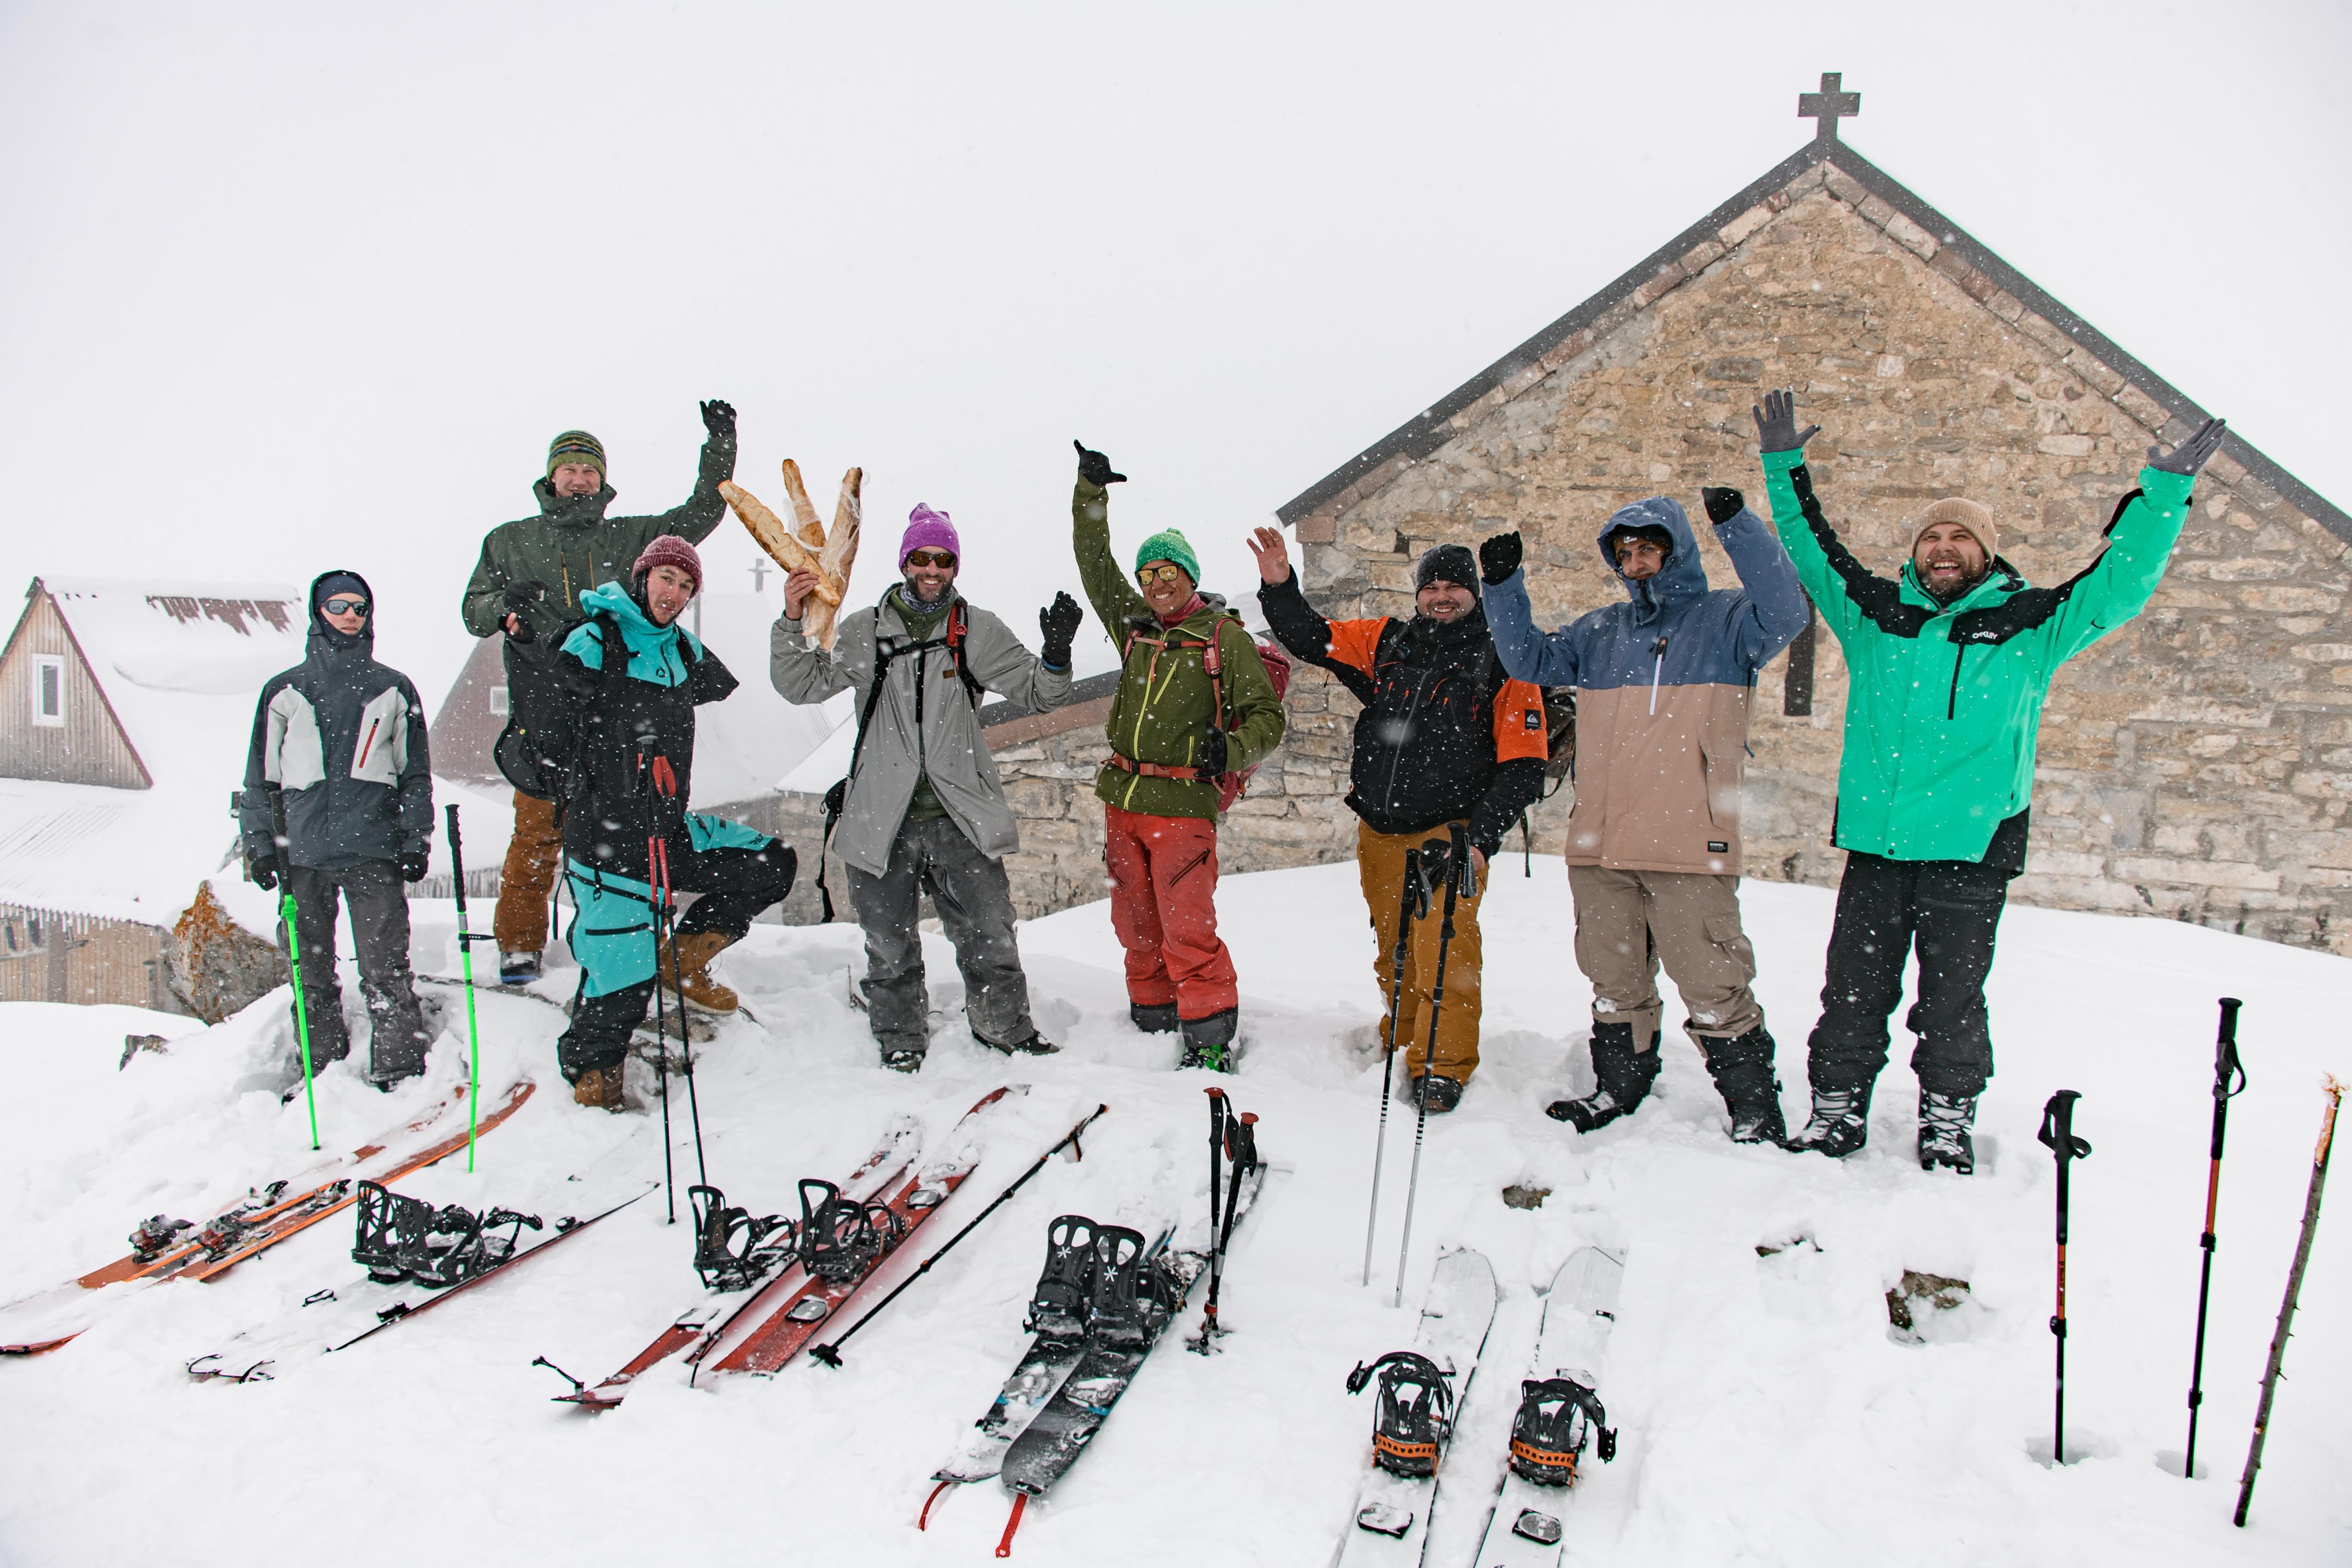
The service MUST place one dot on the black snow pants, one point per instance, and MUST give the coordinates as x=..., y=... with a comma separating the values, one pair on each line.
x=371, y=891
x=975, y=897
x=1948, y=910
x=735, y=885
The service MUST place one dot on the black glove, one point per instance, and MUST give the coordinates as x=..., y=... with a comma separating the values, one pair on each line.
x=263, y=871
x=1776, y=423
x=1210, y=765
x=2191, y=455
x=1059, y=622
x=1498, y=557
x=412, y=865
x=1436, y=863
x=1095, y=469
x=1723, y=503
x=718, y=419
x=520, y=599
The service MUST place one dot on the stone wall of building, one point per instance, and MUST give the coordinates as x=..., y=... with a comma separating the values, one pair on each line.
x=2195, y=764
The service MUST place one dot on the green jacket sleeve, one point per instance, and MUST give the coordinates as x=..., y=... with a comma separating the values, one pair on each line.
x=485, y=596
x=699, y=517
x=1106, y=587
x=2119, y=583
x=1258, y=720
x=1808, y=538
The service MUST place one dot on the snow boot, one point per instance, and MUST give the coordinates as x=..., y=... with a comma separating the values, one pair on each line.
x=517, y=968
x=692, y=954
x=1840, y=1124
x=1742, y=1070
x=1623, y=1074
x=1945, y=1138
x=1036, y=1045
x=599, y=1088
x=1437, y=1092
x=903, y=1059
x=1155, y=1018
x=1066, y=1290
x=1209, y=1042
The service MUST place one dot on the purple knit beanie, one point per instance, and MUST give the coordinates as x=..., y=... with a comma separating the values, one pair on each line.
x=927, y=530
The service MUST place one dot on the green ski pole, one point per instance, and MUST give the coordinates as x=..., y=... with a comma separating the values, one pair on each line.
x=466, y=967
x=285, y=919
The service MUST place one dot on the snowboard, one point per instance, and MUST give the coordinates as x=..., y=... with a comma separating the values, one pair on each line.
x=1526, y=1528
x=1389, y=1527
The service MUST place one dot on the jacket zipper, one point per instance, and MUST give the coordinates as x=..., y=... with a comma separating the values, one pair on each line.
x=367, y=745
x=1952, y=708
x=922, y=660
x=1396, y=758
x=1657, y=671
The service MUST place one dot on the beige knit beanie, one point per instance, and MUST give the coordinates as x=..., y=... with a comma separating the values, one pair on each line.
x=1977, y=519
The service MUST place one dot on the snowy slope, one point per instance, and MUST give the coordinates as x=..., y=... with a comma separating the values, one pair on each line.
x=1767, y=1415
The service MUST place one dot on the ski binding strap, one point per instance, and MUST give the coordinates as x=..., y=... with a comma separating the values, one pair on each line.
x=1058, y=1307
x=841, y=1238
x=733, y=1249
x=1557, y=1417
x=1416, y=1407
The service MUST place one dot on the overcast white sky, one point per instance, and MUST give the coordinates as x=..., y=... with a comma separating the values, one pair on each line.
x=287, y=287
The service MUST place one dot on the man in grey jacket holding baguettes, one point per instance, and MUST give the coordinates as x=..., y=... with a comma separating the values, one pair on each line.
x=922, y=809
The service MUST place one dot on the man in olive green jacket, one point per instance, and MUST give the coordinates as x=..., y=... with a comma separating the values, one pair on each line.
x=1193, y=705
x=528, y=581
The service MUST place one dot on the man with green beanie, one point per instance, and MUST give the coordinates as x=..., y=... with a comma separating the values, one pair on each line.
x=528, y=581
x=1194, y=704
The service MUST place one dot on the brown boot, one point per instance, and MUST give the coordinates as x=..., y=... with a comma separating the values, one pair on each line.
x=599, y=1088
x=693, y=955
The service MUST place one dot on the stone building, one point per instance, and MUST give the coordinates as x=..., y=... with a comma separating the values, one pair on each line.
x=2196, y=765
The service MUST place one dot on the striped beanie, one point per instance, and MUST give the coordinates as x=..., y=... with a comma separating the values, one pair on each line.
x=575, y=446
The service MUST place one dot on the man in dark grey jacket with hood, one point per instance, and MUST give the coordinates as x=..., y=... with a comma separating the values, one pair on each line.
x=924, y=810
x=339, y=743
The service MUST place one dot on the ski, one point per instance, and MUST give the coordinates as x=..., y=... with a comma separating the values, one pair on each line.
x=746, y=1287
x=1560, y=1412
x=1419, y=1392
x=174, y=1249
x=842, y=1246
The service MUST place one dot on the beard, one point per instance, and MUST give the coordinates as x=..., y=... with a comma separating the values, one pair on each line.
x=924, y=593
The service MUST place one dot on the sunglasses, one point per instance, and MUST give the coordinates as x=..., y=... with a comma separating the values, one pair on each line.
x=1164, y=572
x=341, y=607
x=940, y=558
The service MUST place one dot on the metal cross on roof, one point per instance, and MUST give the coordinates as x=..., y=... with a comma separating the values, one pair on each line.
x=1828, y=106
x=759, y=575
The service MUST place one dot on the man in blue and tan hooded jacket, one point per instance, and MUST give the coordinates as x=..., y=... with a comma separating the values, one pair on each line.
x=1663, y=684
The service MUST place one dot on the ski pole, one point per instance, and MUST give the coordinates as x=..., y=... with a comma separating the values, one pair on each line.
x=1457, y=870
x=2225, y=1066
x=2058, y=1135
x=1241, y=1130
x=2334, y=1093
x=661, y=1040
x=668, y=920
x=287, y=917
x=831, y=1353
x=1218, y=1111
x=1415, y=902
x=466, y=966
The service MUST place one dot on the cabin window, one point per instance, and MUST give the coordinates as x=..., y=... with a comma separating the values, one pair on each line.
x=49, y=688
x=498, y=702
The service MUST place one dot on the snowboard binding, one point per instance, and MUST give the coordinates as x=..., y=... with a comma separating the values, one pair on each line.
x=733, y=1249
x=1556, y=1417
x=1059, y=1307
x=401, y=1237
x=392, y=1228
x=840, y=1238
x=1415, y=1415
x=1133, y=1298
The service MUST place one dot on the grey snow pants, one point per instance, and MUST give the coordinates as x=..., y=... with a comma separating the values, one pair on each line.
x=974, y=898
x=379, y=907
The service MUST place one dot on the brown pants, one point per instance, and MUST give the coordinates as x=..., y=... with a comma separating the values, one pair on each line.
x=1380, y=860
x=528, y=879
x=1626, y=922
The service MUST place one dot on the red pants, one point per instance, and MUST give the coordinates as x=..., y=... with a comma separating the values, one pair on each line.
x=1163, y=885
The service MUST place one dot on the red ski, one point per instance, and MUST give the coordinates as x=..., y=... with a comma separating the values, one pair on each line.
x=261, y=1221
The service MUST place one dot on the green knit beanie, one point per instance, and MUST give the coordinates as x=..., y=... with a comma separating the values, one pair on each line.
x=575, y=446
x=1172, y=546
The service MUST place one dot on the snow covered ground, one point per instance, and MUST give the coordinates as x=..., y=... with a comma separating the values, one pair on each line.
x=1765, y=1414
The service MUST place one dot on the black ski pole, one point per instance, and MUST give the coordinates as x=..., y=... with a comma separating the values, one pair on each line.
x=1414, y=903
x=1218, y=1111
x=289, y=917
x=2058, y=1135
x=1241, y=1132
x=1458, y=871
x=668, y=923
x=466, y=940
x=831, y=1353
x=2225, y=1068
x=2334, y=1093
x=661, y=1043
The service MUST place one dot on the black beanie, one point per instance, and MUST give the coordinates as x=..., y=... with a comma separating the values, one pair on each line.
x=1446, y=564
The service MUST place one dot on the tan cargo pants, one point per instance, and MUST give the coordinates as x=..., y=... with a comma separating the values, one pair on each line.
x=528, y=878
x=1380, y=860
x=1627, y=921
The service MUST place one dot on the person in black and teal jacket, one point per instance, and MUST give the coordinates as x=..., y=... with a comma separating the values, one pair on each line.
x=1949, y=666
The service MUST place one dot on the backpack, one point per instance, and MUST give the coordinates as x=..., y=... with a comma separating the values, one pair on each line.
x=1231, y=783
x=541, y=749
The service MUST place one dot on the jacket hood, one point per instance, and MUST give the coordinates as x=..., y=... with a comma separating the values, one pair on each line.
x=572, y=511
x=1682, y=577
x=637, y=629
x=324, y=640
x=2000, y=581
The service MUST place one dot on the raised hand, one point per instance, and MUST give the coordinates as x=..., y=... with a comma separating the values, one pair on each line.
x=2191, y=455
x=1095, y=469
x=1273, y=554
x=798, y=585
x=718, y=419
x=1776, y=423
x=1723, y=502
x=1059, y=622
x=1498, y=557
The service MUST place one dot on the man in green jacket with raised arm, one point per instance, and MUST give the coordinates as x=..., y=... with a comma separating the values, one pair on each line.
x=1949, y=666
x=1194, y=703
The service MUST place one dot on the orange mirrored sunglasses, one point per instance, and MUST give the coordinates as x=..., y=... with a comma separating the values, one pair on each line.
x=1160, y=572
